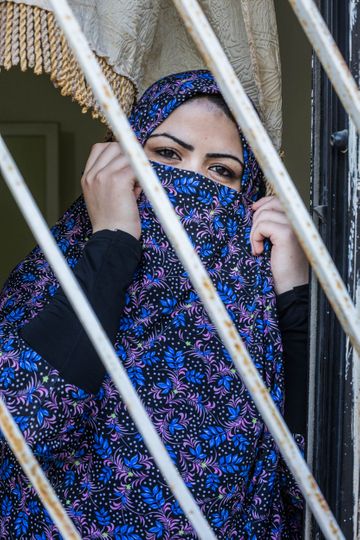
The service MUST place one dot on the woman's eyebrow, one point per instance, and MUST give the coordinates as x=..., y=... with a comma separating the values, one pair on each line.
x=178, y=141
x=230, y=156
x=191, y=148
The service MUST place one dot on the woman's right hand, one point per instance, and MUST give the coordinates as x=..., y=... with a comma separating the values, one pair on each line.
x=110, y=190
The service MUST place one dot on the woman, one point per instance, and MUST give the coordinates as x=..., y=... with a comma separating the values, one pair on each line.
x=55, y=386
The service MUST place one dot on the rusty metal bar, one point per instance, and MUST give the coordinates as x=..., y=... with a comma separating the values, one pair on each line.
x=100, y=341
x=330, y=56
x=192, y=263
x=35, y=474
x=233, y=92
x=273, y=167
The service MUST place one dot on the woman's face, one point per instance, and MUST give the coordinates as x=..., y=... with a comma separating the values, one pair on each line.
x=199, y=136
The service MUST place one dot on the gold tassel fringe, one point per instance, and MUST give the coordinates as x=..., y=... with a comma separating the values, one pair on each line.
x=31, y=38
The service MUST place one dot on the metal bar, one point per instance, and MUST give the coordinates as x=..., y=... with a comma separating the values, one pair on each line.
x=332, y=464
x=193, y=265
x=35, y=474
x=274, y=169
x=330, y=56
x=100, y=341
x=232, y=90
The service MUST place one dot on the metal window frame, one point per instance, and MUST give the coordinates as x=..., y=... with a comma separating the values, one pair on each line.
x=335, y=375
x=257, y=137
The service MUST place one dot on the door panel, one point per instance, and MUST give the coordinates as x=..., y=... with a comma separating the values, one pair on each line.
x=34, y=148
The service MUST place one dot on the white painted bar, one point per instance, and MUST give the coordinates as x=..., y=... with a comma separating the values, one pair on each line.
x=201, y=281
x=234, y=94
x=330, y=56
x=35, y=473
x=100, y=341
x=273, y=167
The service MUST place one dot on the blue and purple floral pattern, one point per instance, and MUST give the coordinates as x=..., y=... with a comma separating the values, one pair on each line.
x=87, y=444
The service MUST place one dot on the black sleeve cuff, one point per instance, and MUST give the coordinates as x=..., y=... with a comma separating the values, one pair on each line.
x=298, y=296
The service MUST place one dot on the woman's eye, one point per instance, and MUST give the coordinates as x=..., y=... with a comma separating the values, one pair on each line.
x=222, y=171
x=167, y=153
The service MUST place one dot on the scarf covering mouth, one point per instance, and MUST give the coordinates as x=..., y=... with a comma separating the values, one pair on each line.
x=204, y=414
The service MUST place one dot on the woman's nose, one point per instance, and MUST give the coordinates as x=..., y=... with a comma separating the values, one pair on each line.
x=195, y=164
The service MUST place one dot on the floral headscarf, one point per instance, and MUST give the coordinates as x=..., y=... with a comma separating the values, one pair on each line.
x=175, y=359
x=166, y=95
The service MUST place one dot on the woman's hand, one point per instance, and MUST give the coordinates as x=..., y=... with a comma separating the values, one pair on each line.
x=110, y=190
x=288, y=262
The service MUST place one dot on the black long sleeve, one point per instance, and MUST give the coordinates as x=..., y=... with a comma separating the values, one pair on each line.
x=104, y=270
x=293, y=321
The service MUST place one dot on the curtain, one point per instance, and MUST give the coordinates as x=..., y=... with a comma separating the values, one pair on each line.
x=139, y=41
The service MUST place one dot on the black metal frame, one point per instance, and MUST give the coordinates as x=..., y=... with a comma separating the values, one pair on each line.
x=333, y=457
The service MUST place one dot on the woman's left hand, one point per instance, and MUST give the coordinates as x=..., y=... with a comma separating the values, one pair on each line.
x=288, y=262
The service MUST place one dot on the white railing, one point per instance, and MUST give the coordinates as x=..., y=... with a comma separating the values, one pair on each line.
x=35, y=473
x=330, y=56
x=103, y=347
x=274, y=169
x=303, y=226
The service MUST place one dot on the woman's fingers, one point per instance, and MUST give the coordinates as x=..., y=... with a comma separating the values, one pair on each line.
x=103, y=155
x=278, y=231
x=288, y=262
x=96, y=150
x=264, y=200
x=137, y=190
x=268, y=203
x=118, y=167
x=265, y=214
x=110, y=191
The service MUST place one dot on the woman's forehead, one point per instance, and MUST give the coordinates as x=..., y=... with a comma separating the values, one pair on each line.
x=166, y=95
x=199, y=122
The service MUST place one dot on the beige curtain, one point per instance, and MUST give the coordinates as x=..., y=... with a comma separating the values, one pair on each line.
x=139, y=41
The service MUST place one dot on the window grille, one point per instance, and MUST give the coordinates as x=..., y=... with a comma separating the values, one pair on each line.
x=304, y=228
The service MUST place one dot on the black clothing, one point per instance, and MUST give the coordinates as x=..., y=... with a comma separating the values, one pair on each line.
x=293, y=323
x=105, y=269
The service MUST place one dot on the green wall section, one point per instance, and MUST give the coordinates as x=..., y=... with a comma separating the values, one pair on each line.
x=295, y=54
x=26, y=98
x=15, y=236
